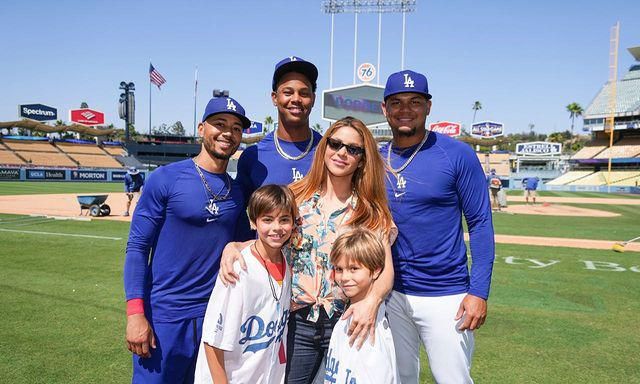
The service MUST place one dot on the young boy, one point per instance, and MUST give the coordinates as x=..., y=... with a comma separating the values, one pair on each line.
x=358, y=258
x=244, y=329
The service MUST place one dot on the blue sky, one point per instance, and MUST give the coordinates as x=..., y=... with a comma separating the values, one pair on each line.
x=524, y=61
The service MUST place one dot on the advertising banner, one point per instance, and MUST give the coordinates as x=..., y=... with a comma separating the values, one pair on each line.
x=487, y=129
x=255, y=128
x=446, y=128
x=89, y=175
x=37, y=112
x=361, y=101
x=538, y=148
x=46, y=174
x=86, y=116
x=119, y=175
x=9, y=174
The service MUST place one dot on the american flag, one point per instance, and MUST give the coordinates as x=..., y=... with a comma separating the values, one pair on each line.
x=155, y=76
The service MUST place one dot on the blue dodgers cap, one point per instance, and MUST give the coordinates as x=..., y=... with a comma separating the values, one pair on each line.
x=407, y=81
x=295, y=64
x=226, y=105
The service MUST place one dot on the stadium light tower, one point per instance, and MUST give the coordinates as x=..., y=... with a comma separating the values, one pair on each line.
x=366, y=6
x=127, y=107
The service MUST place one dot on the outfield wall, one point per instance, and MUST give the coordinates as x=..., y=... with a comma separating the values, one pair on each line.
x=75, y=175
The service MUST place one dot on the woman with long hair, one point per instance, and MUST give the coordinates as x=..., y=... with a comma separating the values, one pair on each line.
x=344, y=189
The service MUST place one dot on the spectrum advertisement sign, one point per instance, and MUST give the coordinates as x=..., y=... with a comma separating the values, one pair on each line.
x=361, y=101
x=446, y=128
x=37, y=112
x=487, y=129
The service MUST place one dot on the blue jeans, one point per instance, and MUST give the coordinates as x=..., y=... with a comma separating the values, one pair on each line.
x=307, y=345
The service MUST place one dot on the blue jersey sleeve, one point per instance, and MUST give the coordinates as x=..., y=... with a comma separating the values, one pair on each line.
x=249, y=156
x=145, y=226
x=473, y=194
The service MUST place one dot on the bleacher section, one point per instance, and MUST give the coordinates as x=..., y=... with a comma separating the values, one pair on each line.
x=80, y=148
x=58, y=154
x=591, y=150
x=34, y=146
x=569, y=177
x=96, y=161
x=597, y=178
x=623, y=148
x=9, y=158
x=115, y=151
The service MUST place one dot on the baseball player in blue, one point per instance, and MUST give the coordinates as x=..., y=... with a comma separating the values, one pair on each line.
x=531, y=185
x=133, y=182
x=435, y=179
x=285, y=155
x=186, y=215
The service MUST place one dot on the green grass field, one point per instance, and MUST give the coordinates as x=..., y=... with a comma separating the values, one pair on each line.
x=556, y=315
x=32, y=188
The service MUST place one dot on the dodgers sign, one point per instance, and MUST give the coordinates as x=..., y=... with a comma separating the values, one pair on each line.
x=538, y=148
x=37, y=112
x=487, y=129
x=446, y=128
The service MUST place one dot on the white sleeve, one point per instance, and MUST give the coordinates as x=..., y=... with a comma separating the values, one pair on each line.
x=221, y=326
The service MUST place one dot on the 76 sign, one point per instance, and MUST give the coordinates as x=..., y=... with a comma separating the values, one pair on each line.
x=366, y=72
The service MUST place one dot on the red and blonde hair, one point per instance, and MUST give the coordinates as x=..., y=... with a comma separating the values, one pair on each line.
x=368, y=181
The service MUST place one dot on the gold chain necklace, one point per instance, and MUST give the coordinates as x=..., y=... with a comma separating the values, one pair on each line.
x=406, y=164
x=287, y=156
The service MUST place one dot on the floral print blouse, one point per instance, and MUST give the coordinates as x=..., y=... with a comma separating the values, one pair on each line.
x=308, y=254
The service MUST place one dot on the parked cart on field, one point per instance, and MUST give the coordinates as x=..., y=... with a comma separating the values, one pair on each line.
x=94, y=205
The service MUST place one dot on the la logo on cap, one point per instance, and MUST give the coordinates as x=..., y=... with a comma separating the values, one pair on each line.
x=293, y=58
x=408, y=81
x=230, y=105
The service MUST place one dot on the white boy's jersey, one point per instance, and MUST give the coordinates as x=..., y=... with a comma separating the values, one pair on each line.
x=372, y=364
x=246, y=322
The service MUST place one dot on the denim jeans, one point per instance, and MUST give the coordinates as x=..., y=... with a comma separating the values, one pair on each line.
x=307, y=345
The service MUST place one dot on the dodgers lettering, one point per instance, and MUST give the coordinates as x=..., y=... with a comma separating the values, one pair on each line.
x=261, y=336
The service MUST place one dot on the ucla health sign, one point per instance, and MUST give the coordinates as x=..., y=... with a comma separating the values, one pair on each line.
x=487, y=129
x=538, y=148
x=37, y=112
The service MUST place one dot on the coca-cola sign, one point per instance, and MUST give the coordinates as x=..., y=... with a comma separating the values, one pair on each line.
x=446, y=128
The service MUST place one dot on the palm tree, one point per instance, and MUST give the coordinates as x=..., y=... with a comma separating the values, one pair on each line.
x=268, y=121
x=476, y=106
x=575, y=110
x=317, y=127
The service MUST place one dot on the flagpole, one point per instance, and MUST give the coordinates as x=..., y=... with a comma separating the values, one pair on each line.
x=195, y=102
x=150, y=97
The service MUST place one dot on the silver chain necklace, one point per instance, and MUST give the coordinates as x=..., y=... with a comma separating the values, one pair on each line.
x=287, y=156
x=214, y=196
x=406, y=164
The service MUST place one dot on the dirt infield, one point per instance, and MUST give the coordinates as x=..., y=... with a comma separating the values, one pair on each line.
x=67, y=205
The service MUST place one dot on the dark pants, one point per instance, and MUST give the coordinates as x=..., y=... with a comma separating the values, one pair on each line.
x=307, y=345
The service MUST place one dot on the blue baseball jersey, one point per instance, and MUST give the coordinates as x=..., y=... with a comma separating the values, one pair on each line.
x=427, y=199
x=261, y=164
x=176, y=240
x=133, y=183
x=532, y=183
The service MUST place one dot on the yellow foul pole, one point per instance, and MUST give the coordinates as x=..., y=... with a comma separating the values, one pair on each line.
x=613, y=83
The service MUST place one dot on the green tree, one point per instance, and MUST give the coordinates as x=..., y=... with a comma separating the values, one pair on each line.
x=268, y=122
x=317, y=127
x=84, y=105
x=575, y=110
x=476, y=107
x=177, y=129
